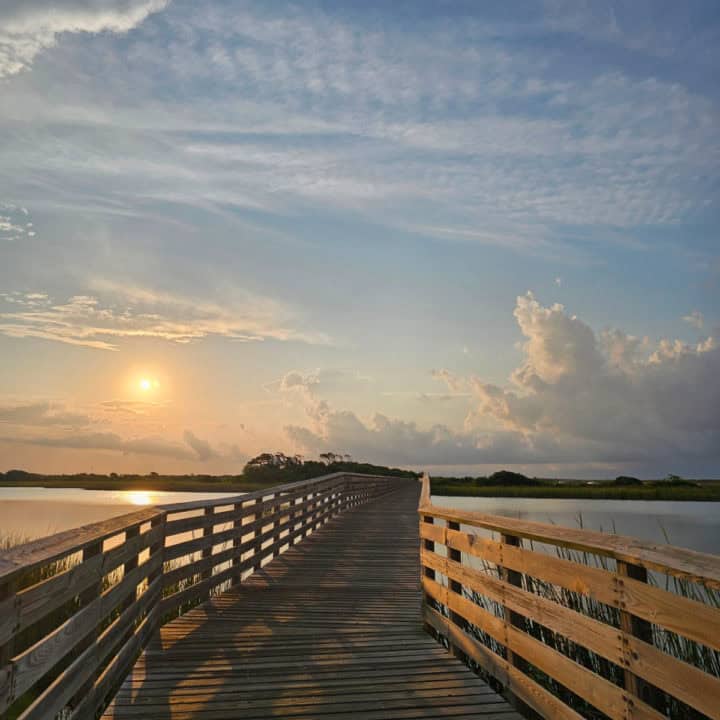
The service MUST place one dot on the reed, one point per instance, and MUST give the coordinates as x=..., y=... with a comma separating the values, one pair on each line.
x=689, y=651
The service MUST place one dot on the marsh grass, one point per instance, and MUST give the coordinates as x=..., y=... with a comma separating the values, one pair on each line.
x=36, y=632
x=688, y=651
x=705, y=491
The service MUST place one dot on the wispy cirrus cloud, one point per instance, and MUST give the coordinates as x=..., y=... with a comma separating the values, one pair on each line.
x=133, y=312
x=330, y=115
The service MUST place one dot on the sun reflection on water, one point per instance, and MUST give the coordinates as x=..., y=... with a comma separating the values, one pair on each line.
x=139, y=497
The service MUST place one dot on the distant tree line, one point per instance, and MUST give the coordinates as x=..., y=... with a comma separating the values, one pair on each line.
x=275, y=468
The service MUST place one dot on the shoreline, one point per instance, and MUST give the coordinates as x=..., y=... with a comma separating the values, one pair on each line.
x=709, y=492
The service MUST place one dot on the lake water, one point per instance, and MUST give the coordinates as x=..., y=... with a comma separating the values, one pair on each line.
x=34, y=512
x=694, y=525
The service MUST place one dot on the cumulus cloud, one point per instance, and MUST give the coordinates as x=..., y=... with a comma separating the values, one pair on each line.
x=395, y=441
x=133, y=312
x=696, y=319
x=577, y=397
x=29, y=26
x=623, y=394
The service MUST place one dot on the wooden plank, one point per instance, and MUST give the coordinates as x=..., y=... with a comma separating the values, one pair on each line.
x=596, y=690
x=328, y=629
x=24, y=558
x=679, y=679
x=679, y=562
x=673, y=612
x=534, y=695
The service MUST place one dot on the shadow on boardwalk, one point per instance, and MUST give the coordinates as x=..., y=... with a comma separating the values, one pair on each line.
x=330, y=629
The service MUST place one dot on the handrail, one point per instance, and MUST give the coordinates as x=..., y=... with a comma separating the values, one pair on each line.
x=77, y=607
x=576, y=626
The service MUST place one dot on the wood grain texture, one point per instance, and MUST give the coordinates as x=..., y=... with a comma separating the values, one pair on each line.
x=679, y=562
x=329, y=629
x=457, y=588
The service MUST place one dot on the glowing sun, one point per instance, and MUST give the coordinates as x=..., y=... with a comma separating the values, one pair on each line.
x=147, y=384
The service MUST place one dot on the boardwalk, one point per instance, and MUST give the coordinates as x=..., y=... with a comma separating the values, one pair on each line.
x=330, y=629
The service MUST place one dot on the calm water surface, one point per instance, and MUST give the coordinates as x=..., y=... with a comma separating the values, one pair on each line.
x=694, y=525
x=33, y=512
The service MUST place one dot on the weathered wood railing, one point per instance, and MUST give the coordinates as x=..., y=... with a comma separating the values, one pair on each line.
x=76, y=608
x=566, y=620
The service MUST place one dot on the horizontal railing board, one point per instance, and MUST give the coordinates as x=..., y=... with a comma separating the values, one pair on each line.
x=253, y=495
x=196, y=544
x=668, y=559
x=596, y=690
x=29, y=556
x=118, y=667
x=521, y=685
x=278, y=517
x=673, y=612
x=683, y=681
x=35, y=662
x=642, y=666
x=54, y=698
x=188, y=594
x=37, y=601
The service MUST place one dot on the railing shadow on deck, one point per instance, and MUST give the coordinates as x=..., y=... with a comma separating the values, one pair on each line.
x=571, y=623
x=78, y=607
x=293, y=682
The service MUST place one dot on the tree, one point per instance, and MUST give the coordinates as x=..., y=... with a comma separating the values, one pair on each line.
x=625, y=480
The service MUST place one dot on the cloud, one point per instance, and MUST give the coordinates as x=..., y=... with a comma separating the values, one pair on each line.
x=129, y=407
x=111, y=442
x=42, y=413
x=192, y=449
x=31, y=26
x=577, y=397
x=15, y=223
x=623, y=395
x=696, y=319
x=318, y=112
x=321, y=381
x=137, y=313
x=202, y=448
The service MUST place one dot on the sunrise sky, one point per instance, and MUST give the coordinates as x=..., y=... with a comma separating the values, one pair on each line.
x=448, y=235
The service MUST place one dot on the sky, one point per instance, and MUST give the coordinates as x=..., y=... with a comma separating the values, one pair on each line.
x=452, y=236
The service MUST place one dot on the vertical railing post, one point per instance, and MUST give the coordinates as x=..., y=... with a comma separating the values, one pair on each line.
x=277, y=524
x=456, y=587
x=258, y=522
x=429, y=545
x=129, y=566
x=8, y=590
x=207, y=551
x=237, y=542
x=513, y=619
x=641, y=629
x=86, y=597
x=309, y=512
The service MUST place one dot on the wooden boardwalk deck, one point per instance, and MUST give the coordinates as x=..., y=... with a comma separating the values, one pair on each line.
x=330, y=629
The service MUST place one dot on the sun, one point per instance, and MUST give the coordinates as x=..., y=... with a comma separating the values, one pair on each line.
x=147, y=384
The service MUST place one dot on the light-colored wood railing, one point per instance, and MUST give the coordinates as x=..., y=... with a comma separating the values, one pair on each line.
x=77, y=608
x=572, y=622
